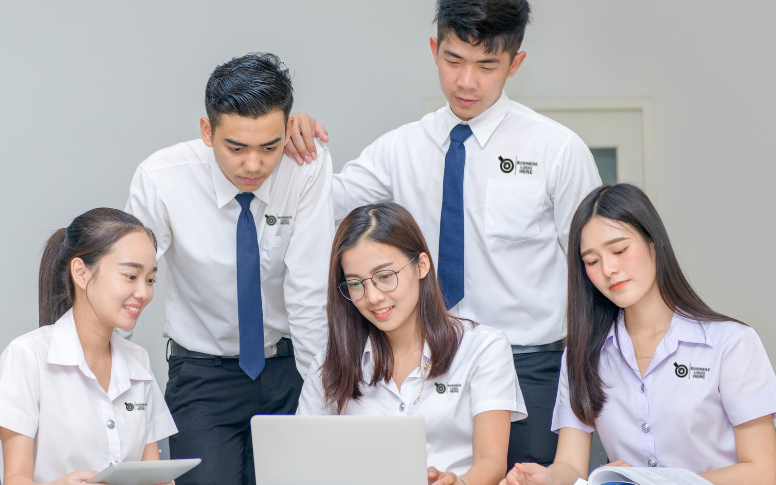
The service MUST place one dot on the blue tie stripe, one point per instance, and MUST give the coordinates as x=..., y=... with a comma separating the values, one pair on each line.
x=451, y=228
x=249, y=308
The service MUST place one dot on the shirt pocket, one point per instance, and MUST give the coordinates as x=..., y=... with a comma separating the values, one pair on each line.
x=512, y=209
x=273, y=253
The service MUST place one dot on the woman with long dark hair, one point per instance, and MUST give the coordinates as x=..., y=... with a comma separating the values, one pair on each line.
x=74, y=396
x=665, y=380
x=394, y=350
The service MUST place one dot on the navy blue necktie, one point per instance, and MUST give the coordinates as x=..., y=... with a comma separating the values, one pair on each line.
x=450, y=270
x=249, y=309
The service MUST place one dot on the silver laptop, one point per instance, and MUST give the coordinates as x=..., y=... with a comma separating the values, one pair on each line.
x=339, y=450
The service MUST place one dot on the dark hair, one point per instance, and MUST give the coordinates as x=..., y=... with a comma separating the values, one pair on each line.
x=252, y=86
x=342, y=375
x=90, y=237
x=590, y=315
x=498, y=24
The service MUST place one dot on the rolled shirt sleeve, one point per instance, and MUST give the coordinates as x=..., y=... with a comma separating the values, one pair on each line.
x=563, y=416
x=19, y=391
x=747, y=382
x=494, y=385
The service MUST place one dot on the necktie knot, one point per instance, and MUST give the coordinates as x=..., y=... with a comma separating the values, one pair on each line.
x=244, y=199
x=460, y=133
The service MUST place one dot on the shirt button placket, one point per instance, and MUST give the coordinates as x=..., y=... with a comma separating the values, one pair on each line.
x=112, y=431
x=647, y=438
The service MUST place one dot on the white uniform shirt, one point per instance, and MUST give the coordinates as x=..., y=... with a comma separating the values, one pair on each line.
x=48, y=392
x=182, y=194
x=517, y=212
x=704, y=379
x=481, y=378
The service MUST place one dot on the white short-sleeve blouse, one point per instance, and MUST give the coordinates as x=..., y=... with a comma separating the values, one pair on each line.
x=481, y=378
x=48, y=392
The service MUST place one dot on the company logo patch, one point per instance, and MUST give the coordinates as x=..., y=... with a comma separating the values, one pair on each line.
x=284, y=220
x=508, y=166
x=691, y=372
x=447, y=388
x=138, y=406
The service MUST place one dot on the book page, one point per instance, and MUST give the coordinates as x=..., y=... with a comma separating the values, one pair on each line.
x=647, y=476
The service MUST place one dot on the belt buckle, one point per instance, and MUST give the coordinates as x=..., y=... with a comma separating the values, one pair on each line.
x=271, y=351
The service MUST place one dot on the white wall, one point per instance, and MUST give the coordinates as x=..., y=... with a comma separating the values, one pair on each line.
x=89, y=89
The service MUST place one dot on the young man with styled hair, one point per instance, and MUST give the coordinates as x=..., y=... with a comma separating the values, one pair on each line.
x=493, y=185
x=246, y=240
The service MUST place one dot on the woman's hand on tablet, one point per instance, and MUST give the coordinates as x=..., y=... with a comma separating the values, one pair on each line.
x=435, y=477
x=528, y=474
x=75, y=478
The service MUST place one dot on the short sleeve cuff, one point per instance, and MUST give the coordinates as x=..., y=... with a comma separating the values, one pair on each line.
x=517, y=410
x=761, y=404
x=160, y=428
x=17, y=421
x=564, y=417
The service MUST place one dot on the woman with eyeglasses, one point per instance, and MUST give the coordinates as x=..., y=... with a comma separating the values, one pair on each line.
x=394, y=350
x=665, y=380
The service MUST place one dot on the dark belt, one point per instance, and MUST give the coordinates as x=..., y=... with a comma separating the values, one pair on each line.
x=284, y=348
x=531, y=349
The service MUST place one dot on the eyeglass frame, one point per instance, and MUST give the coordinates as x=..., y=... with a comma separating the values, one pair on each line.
x=339, y=286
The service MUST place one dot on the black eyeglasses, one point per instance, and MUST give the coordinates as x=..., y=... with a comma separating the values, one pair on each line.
x=385, y=280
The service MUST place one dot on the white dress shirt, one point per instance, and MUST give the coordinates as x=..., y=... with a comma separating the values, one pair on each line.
x=48, y=392
x=704, y=379
x=481, y=378
x=516, y=222
x=181, y=193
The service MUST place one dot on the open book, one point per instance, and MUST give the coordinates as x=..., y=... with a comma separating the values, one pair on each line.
x=643, y=476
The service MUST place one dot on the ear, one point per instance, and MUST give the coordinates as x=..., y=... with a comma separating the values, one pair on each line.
x=424, y=265
x=206, y=131
x=289, y=124
x=434, y=49
x=516, y=62
x=80, y=273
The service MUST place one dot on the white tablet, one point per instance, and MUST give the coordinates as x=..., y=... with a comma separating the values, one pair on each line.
x=144, y=472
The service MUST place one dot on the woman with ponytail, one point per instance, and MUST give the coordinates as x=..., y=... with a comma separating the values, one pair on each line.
x=664, y=379
x=74, y=396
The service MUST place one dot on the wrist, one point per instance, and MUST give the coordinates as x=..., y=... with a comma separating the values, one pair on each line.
x=460, y=481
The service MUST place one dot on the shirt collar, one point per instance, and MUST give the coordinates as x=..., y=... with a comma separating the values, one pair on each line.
x=367, y=359
x=226, y=190
x=65, y=349
x=682, y=329
x=482, y=125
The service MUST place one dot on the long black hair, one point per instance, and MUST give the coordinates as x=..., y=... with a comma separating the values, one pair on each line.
x=342, y=375
x=90, y=237
x=590, y=315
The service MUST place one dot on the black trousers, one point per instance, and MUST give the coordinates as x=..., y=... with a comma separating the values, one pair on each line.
x=530, y=440
x=212, y=404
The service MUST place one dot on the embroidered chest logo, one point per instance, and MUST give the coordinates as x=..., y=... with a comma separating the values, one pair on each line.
x=508, y=166
x=682, y=371
x=448, y=388
x=284, y=220
x=138, y=406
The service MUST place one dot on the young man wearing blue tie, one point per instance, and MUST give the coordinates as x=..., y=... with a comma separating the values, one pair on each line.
x=493, y=185
x=246, y=241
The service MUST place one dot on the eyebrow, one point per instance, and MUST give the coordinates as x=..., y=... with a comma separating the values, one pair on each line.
x=375, y=270
x=135, y=265
x=489, y=60
x=607, y=243
x=239, y=144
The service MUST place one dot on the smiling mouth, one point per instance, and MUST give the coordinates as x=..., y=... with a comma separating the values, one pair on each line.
x=132, y=310
x=382, y=312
